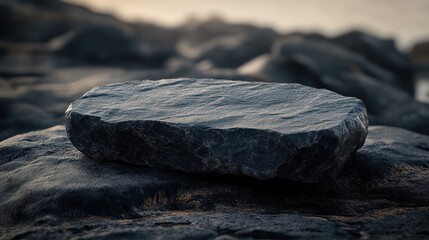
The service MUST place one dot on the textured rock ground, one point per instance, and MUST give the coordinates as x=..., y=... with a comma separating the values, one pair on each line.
x=214, y=39
x=381, y=52
x=219, y=126
x=396, y=157
x=50, y=190
x=57, y=180
x=170, y=225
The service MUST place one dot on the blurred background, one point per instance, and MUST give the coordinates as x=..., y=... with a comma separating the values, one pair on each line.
x=51, y=52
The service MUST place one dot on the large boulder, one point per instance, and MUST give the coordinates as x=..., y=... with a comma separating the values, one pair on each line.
x=393, y=108
x=274, y=69
x=101, y=44
x=419, y=54
x=329, y=59
x=195, y=32
x=81, y=35
x=261, y=130
x=111, y=45
x=224, y=45
x=43, y=20
x=230, y=51
x=317, y=62
x=382, y=52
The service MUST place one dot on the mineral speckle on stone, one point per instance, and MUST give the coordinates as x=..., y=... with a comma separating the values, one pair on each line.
x=219, y=126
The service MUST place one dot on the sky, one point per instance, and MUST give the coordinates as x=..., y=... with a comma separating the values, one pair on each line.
x=405, y=20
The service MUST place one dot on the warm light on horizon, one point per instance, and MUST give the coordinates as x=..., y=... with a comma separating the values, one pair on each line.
x=405, y=22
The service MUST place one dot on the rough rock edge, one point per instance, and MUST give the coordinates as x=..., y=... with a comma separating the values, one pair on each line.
x=301, y=172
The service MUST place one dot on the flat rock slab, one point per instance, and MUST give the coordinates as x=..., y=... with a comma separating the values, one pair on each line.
x=262, y=130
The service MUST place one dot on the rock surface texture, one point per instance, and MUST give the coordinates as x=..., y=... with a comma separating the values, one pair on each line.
x=393, y=162
x=218, y=126
x=50, y=190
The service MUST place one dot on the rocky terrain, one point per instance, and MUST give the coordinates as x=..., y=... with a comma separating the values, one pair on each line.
x=52, y=190
x=249, y=157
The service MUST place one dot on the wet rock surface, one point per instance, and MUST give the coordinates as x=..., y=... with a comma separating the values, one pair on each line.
x=52, y=190
x=219, y=126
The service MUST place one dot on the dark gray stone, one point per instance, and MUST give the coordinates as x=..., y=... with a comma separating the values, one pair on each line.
x=419, y=55
x=273, y=69
x=169, y=225
x=197, y=33
x=222, y=44
x=382, y=52
x=107, y=45
x=261, y=130
x=387, y=148
x=43, y=175
x=330, y=59
x=37, y=102
x=49, y=190
x=320, y=63
x=393, y=162
x=41, y=21
x=230, y=51
x=393, y=108
x=231, y=226
x=44, y=178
